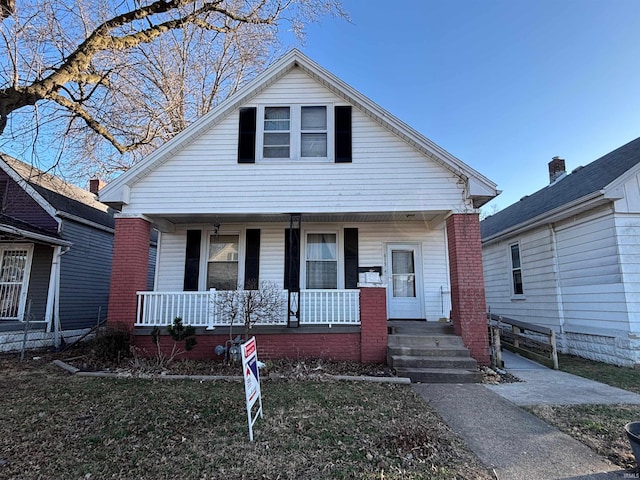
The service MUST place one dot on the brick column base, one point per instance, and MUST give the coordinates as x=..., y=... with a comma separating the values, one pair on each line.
x=468, y=307
x=128, y=271
x=373, y=319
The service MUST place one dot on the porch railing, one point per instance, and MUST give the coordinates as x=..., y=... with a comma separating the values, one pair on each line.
x=201, y=309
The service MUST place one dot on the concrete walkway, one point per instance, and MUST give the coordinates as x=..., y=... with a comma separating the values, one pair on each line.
x=514, y=443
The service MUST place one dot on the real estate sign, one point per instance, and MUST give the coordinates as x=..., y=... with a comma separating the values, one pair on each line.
x=251, y=381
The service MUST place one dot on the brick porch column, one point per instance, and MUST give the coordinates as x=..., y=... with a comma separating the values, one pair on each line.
x=128, y=271
x=467, y=284
x=373, y=328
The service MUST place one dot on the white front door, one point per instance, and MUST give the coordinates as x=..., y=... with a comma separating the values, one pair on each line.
x=404, y=281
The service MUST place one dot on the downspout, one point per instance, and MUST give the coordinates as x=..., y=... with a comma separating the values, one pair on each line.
x=558, y=286
x=52, y=314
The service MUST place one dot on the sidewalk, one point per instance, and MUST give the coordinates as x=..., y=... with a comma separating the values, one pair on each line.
x=515, y=443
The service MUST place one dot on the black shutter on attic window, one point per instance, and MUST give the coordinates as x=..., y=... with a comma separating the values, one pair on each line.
x=252, y=260
x=292, y=260
x=247, y=136
x=192, y=261
x=342, y=122
x=350, y=258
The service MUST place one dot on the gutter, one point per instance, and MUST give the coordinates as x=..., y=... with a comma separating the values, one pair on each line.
x=84, y=221
x=34, y=236
x=577, y=206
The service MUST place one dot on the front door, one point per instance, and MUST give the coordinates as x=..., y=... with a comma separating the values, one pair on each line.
x=404, y=277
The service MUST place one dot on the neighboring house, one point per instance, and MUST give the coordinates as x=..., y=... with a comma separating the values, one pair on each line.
x=301, y=181
x=568, y=257
x=56, y=243
x=56, y=248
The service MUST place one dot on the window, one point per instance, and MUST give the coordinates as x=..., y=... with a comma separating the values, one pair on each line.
x=222, y=268
x=313, y=132
x=277, y=127
x=14, y=277
x=516, y=269
x=322, y=260
x=295, y=132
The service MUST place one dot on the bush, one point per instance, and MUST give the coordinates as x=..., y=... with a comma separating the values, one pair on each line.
x=113, y=345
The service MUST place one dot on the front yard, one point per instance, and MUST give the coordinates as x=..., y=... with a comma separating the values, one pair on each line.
x=53, y=425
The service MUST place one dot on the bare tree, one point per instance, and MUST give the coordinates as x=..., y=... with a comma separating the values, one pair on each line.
x=108, y=81
x=260, y=305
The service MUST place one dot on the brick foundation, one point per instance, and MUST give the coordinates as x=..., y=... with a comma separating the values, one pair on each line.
x=468, y=310
x=327, y=346
x=128, y=271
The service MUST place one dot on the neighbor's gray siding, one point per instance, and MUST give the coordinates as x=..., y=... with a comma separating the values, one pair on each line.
x=39, y=281
x=84, y=275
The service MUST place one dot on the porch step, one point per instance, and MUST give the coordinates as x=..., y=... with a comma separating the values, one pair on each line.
x=430, y=353
x=424, y=340
x=427, y=351
x=440, y=375
x=406, y=361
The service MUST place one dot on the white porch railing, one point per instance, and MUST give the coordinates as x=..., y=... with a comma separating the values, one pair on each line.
x=201, y=309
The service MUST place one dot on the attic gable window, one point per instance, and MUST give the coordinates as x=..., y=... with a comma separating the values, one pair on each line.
x=295, y=132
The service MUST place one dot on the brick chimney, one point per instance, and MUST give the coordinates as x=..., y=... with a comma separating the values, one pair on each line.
x=556, y=169
x=95, y=184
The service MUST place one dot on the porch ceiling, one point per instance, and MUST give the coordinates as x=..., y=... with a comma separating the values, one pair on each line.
x=431, y=217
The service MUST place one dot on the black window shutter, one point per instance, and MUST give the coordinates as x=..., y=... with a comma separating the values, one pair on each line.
x=292, y=259
x=192, y=261
x=350, y=258
x=252, y=260
x=247, y=135
x=342, y=121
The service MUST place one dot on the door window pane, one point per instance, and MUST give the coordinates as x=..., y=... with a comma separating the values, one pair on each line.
x=403, y=273
x=322, y=261
x=222, y=271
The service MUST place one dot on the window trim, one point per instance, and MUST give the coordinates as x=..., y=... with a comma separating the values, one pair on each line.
x=329, y=230
x=295, y=133
x=512, y=270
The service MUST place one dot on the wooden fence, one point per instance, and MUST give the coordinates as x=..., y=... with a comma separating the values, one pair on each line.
x=518, y=339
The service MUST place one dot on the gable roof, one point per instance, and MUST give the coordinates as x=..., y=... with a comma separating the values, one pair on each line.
x=480, y=188
x=56, y=196
x=584, y=183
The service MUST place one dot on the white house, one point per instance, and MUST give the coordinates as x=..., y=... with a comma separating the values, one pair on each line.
x=301, y=181
x=568, y=257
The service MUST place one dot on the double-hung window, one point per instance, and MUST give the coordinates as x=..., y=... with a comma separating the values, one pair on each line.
x=313, y=131
x=15, y=263
x=322, y=260
x=277, y=132
x=222, y=265
x=295, y=132
x=516, y=269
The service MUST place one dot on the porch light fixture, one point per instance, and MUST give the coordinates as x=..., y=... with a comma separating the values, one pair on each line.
x=216, y=231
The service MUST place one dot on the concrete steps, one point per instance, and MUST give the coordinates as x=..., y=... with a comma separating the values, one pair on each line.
x=430, y=353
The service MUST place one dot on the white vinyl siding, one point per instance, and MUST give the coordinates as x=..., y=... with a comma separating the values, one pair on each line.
x=628, y=228
x=386, y=173
x=589, y=276
x=373, y=238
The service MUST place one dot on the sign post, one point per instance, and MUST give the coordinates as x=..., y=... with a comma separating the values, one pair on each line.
x=251, y=381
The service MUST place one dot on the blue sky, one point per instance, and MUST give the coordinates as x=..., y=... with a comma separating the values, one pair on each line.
x=504, y=85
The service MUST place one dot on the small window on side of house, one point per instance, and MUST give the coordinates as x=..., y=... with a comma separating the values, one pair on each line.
x=516, y=269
